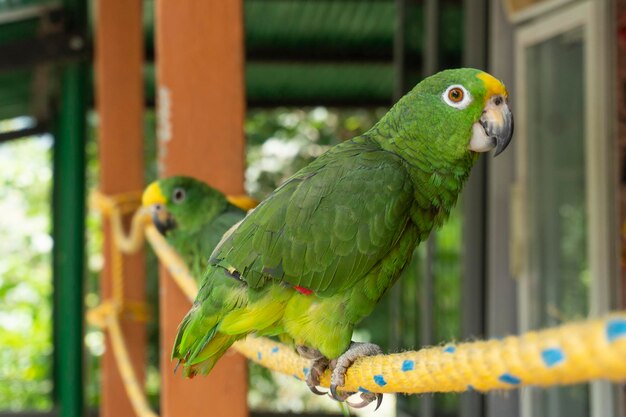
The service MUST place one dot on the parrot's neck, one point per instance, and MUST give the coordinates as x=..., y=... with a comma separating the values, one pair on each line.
x=210, y=210
x=437, y=177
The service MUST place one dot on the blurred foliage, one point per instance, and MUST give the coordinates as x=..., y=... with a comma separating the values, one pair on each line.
x=25, y=275
x=281, y=141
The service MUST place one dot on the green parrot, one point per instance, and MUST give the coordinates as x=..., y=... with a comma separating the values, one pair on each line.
x=315, y=257
x=192, y=216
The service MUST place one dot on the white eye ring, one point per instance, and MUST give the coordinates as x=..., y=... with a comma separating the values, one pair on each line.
x=179, y=195
x=463, y=103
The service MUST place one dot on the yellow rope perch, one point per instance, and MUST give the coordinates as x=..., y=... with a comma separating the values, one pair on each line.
x=563, y=355
x=133, y=388
x=172, y=261
x=116, y=206
x=106, y=316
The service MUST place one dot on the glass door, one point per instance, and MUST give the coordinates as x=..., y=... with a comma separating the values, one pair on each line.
x=563, y=189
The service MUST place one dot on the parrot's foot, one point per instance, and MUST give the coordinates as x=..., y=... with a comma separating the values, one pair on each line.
x=318, y=366
x=340, y=367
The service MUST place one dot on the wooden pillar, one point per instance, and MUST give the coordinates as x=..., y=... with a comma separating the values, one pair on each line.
x=120, y=100
x=201, y=113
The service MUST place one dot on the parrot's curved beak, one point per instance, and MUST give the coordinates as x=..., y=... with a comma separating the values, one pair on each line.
x=495, y=127
x=162, y=219
x=154, y=200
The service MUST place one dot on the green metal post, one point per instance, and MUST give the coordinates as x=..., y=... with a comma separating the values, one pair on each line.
x=69, y=223
x=69, y=234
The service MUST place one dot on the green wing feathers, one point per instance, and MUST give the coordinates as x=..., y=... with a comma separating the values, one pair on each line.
x=327, y=226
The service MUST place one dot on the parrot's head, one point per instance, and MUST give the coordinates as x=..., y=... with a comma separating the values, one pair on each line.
x=182, y=203
x=454, y=115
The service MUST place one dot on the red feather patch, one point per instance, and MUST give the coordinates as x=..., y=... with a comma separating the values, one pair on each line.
x=303, y=290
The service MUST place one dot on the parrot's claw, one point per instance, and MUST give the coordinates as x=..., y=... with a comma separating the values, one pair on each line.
x=313, y=377
x=366, y=399
x=341, y=396
x=319, y=365
x=315, y=391
x=340, y=367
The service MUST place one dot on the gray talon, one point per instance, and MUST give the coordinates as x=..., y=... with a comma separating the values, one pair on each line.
x=315, y=391
x=341, y=365
x=338, y=396
x=366, y=399
x=379, y=401
x=318, y=366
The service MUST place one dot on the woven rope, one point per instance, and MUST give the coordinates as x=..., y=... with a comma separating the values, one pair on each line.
x=134, y=389
x=106, y=315
x=115, y=207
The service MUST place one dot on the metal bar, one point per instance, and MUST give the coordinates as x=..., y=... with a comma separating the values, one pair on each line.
x=475, y=32
x=430, y=66
x=399, y=50
x=431, y=37
x=54, y=48
x=395, y=306
x=69, y=230
x=372, y=55
x=427, y=404
x=69, y=227
x=473, y=267
x=29, y=12
x=474, y=206
x=38, y=129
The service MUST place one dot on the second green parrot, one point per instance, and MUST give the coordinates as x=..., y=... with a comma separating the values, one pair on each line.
x=192, y=216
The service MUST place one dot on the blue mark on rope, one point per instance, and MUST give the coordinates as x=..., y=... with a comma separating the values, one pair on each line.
x=615, y=329
x=509, y=379
x=380, y=380
x=470, y=388
x=408, y=365
x=275, y=349
x=449, y=349
x=361, y=389
x=306, y=371
x=552, y=356
x=259, y=355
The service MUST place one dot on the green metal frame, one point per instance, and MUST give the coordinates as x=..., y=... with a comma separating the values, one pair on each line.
x=69, y=227
x=69, y=237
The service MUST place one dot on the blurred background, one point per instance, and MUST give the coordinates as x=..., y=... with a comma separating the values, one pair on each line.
x=263, y=88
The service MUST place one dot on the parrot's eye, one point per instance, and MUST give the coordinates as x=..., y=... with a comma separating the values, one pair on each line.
x=457, y=96
x=179, y=195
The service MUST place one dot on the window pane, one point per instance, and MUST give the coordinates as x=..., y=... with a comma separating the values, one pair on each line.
x=559, y=276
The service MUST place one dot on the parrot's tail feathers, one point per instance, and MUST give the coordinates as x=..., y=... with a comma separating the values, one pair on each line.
x=203, y=361
x=193, y=325
x=203, y=368
x=199, y=343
